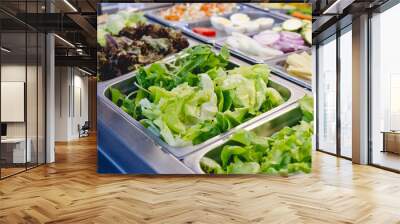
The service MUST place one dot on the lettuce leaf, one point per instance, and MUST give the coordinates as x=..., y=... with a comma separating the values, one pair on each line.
x=274, y=97
x=307, y=107
x=287, y=151
x=239, y=167
x=101, y=36
x=210, y=166
x=168, y=136
x=116, y=22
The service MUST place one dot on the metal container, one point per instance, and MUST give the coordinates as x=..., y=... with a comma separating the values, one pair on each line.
x=289, y=91
x=279, y=19
x=281, y=12
x=110, y=8
x=192, y=42
x=126, y=148
x=266, y=127
x=251, y=12
x=219, y=43
x=155, y=15
x=278, y=64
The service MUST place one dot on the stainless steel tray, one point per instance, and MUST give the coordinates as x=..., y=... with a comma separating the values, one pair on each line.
x=279, y=18
x=289, y=91
x=288, y=116
x=219, y=43
x=251, y=12
x=192, y=42
x=281, y=12
x=110, y=8
x=278, y=64
x=129, y=149
x=155, y=15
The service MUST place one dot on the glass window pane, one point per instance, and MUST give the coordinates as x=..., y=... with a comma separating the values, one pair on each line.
x=346, y=94
x=385, y=89
x=327, y=96
x=13, y=87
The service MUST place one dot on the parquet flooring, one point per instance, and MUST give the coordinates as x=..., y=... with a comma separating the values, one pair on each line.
x=70, y=191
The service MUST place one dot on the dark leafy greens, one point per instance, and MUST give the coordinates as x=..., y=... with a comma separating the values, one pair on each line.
x=197, y=96
x=287, y=151
x=126, y=42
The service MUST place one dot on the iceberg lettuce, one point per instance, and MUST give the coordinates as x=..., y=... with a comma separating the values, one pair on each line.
x=197, y=97
x=286, y=151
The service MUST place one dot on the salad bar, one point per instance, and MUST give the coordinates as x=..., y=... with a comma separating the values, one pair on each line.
x=177, y=98
x=244, y=20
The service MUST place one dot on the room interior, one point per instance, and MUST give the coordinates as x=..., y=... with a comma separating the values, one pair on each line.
x=28, y=94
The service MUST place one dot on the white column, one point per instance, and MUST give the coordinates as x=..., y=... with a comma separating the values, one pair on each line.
x=360, y=90
x=314, y=93
x=50, y=94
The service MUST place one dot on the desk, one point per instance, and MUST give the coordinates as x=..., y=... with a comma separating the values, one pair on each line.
x=391, y=141
x=18, y=150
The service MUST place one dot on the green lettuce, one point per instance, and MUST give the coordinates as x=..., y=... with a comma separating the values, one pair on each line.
x=210, y=166
x=196, y=97
x=307, y=107
x=286, y=151
x=116, y=22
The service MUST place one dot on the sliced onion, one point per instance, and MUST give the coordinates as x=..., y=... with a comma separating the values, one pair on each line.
x=269, y=32
x=292, y=41
x=291, y=35
x=266, y=39
x=285, y=47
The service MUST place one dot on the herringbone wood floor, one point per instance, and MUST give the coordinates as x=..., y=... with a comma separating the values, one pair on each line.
x=70, y=191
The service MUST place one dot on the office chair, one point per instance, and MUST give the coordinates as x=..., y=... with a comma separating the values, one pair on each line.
x=84, y=130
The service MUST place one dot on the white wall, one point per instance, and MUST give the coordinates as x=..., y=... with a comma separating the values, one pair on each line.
x=71, y=93
x=61, y=114
x=14, y=73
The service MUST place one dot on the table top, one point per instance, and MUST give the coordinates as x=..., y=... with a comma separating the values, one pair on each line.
x=391, y=132
x=13, y=140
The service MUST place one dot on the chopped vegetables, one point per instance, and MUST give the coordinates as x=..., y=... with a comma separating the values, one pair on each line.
x=251, y=46
x=303, y=27
x=205, y=31
x=292, y=25
x=264, y=22
x=197, y=97
x=292, y=35
x=219, y=22
x=134, y=46
x=304, y=12
x=298, y=10
x=239, y=18
x=116, y=22
x=299, y=65
x=241, y=23
x=195, y=11
x=277, y=5
x=306, y=31
x=283, y=41
x=285, y=152
x=301, y=15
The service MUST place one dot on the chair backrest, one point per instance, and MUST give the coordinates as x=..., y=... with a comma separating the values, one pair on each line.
x=86, y=125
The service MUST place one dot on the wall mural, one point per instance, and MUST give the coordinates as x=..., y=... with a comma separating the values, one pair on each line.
x=204, y=88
